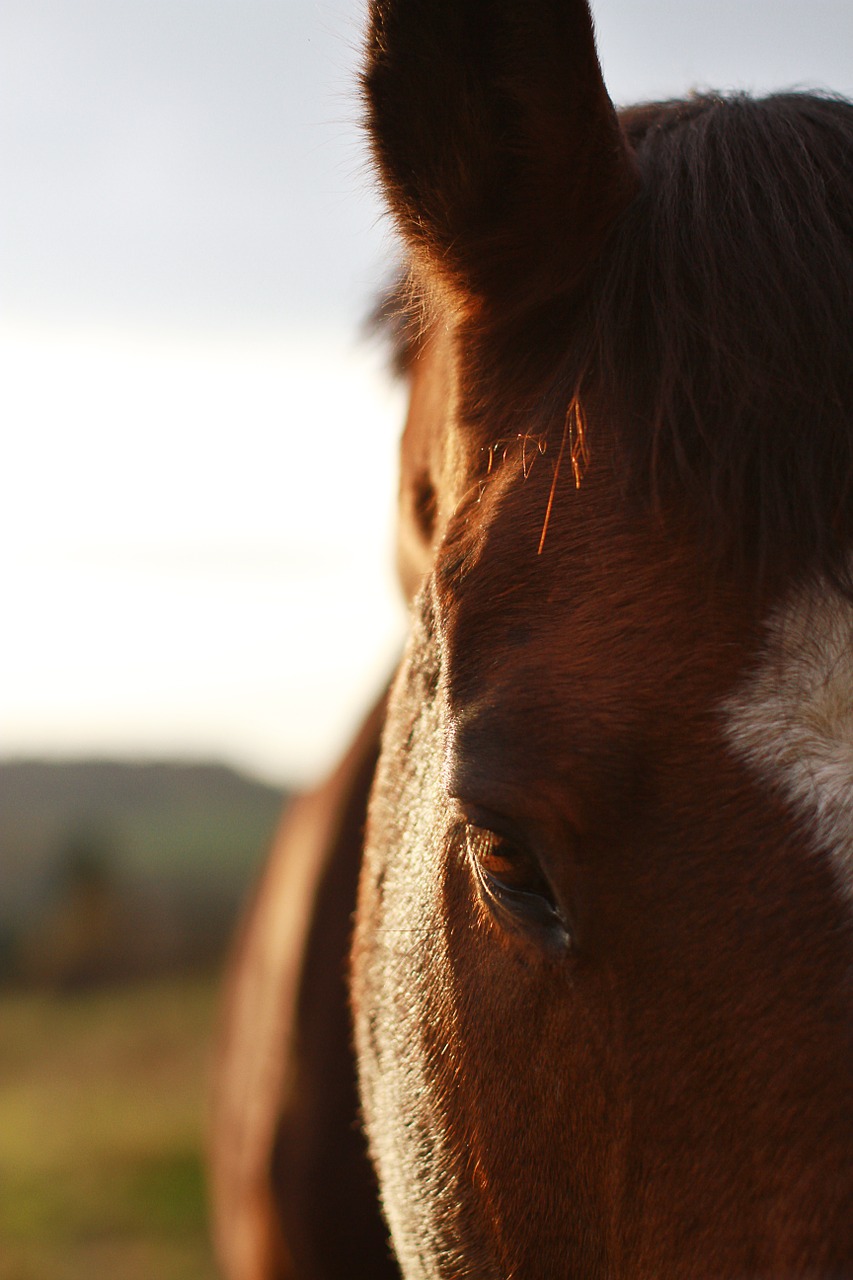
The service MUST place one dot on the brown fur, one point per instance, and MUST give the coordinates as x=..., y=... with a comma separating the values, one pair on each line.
x=672, y=1097
x=293, y=1194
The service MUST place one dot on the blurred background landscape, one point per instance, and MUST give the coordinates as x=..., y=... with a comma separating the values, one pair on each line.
x=195, y=549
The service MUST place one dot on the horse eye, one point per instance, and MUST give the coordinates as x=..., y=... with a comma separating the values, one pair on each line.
x=504, y=862
x=513, y=886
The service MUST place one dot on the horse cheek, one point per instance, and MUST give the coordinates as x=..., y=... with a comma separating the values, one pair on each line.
x=472, y=1052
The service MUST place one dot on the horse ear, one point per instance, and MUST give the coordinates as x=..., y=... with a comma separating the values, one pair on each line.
x=498, y=146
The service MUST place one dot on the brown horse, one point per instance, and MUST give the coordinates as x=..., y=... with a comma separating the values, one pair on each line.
x=602, y=961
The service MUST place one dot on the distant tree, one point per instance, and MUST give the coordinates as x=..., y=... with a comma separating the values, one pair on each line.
x=76, y=939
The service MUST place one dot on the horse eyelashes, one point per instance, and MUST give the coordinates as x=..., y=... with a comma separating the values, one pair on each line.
x=505, y=861
x=513, y=887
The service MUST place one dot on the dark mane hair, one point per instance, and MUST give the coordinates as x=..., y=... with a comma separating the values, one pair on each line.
x=722, y=324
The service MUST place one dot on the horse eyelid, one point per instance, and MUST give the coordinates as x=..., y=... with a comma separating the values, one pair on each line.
x=484, y=842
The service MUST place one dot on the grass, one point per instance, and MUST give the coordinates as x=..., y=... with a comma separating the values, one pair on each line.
x=102, y=1102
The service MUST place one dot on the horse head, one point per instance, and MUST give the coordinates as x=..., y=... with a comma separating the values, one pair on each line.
x=603, y=944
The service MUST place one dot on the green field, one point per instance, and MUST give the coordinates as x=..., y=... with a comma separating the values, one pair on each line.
x=102, y=1108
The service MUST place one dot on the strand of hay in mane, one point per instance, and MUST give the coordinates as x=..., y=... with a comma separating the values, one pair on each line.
x=574, y=434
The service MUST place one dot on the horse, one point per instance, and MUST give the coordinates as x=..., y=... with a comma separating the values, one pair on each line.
x=601, y=961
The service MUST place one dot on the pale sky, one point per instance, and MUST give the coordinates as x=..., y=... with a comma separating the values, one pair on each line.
x=198, y=454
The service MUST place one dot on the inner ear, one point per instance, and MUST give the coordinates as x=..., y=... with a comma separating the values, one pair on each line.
x=417, y=520
x=428, y=480
x=424, y=504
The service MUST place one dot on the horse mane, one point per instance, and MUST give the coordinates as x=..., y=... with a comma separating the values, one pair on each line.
x=720, y=325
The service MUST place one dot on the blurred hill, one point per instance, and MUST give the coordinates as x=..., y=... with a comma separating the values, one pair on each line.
x=114, y=870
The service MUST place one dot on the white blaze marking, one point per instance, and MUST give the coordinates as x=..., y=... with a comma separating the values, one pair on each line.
x=793, y=717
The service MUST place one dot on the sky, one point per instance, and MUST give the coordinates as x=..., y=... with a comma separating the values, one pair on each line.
x=198, y=446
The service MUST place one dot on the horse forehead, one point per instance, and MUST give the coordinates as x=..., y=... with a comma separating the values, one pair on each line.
x=536, y=573
x=791, y=719
x=568, y=655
